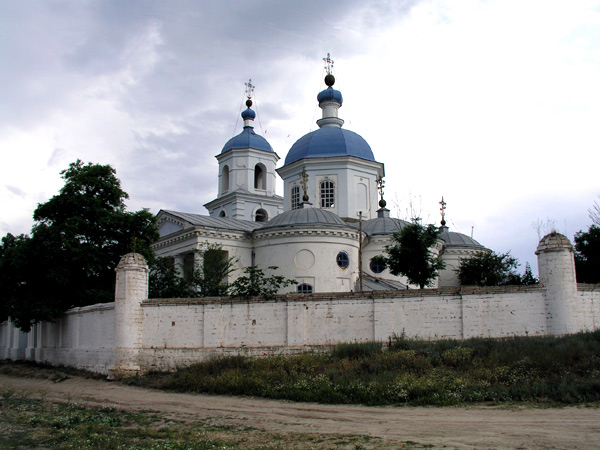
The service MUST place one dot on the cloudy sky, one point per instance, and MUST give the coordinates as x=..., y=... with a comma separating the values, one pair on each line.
x=494, y=105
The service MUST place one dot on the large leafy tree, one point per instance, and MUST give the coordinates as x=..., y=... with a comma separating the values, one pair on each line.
x=411, y=255
x=587, y=255
x=487, y=268
x=77, y=240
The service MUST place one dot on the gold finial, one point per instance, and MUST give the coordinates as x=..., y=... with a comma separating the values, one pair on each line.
x=380, y=184
x=249, y=89
x=304, y=183
x=328, y=64
x=443, y=210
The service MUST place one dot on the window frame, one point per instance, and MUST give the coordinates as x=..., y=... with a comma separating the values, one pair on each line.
x=295, y=197
x=342, y=259
x=327, y=193
x=304, y=288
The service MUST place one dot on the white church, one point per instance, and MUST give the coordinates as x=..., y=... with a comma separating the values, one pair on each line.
x=327, y=227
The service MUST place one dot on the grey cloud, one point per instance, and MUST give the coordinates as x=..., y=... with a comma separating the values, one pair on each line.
x=16, y=191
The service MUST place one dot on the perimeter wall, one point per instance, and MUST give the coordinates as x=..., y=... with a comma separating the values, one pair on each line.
x=137, y=334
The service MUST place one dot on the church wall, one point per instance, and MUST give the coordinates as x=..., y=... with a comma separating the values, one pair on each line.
x=310, y=254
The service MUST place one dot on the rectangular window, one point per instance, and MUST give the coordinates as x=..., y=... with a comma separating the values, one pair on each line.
x=327, y=194
x=296, y=197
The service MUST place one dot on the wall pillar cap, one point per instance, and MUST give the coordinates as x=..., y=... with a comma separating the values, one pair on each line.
x=132, y=261
x=554, y=242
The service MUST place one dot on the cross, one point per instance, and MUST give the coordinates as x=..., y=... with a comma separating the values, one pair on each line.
x=328, y=64
x=443, y=210
x=380, y=184
x=249, y=89
x=304, y=180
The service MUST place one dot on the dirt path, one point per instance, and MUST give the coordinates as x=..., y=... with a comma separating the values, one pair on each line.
x=454, y=428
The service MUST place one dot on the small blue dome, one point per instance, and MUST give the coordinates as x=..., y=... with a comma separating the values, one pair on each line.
x=248, y=114
x=329, y=141
x=330, y=94
x=248, y=139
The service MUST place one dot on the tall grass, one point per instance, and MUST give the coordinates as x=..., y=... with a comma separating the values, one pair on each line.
x=563, y=370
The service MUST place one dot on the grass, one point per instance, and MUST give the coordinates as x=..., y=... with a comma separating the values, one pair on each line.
x=27, y=423
x=544, y=370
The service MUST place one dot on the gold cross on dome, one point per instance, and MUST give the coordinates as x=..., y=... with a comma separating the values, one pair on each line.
x=443, y=209
x=249, y=89
x=380, y=185
x=304, y=180
x=328, y=64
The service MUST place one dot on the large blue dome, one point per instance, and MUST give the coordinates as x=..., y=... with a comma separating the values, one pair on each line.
x=329, y=141
x=248, y=139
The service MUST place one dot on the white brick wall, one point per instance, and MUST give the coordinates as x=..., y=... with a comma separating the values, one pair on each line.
x=137, y=334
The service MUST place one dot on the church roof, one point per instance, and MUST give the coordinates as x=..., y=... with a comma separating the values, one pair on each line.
x=453, y=239
x=248, y=139
x=330, y=141
x=306, y=216
x=383, y=225
x=216, y=222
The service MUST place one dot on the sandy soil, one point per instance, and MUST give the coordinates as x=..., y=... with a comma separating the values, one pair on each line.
x=453, y=428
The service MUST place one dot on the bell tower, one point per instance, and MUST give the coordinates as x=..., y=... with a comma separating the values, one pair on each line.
x=246, y=181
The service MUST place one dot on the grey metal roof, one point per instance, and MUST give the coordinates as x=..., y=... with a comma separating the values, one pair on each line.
x=217, y=222
x=306, y=216
x=453, y=239
x=383, y=225
x=371, y=283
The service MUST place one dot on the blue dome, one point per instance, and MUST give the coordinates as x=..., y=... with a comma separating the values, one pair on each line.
x=248, y=139
x=248, y=114
x=330, y=94
x=329, y=141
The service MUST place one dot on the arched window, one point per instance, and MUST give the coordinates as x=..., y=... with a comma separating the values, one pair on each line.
x=261, y=216
x=260, y=177
x=222, y=214
x=295, y=197
x=327, y=194
x=342, y=260
x=304, y=288
x=225, y=179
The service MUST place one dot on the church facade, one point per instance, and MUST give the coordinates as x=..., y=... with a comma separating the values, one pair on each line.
x=325, y=230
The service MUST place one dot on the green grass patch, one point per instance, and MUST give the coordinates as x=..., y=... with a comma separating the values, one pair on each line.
x=27, y=423
x=544, y=370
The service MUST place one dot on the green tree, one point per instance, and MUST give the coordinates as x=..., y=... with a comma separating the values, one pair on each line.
x=410, y=254
x=256, y=284
x=487, y=268
x=169, y=281
x=528, y=279
x=77, y=240
x=587, y=255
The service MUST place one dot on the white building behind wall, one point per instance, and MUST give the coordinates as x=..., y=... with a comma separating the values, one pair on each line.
x=330, y=179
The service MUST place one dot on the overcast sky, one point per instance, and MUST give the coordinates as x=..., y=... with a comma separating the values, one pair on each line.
x=494, y=105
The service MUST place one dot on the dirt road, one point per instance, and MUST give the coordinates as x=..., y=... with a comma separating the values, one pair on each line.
x=453, y=428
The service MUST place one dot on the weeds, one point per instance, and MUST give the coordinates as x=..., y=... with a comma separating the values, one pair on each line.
x=560, y=370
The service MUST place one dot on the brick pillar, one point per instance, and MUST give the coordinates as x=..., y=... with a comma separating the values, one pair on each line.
x=557, y=275
x=131, y=289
